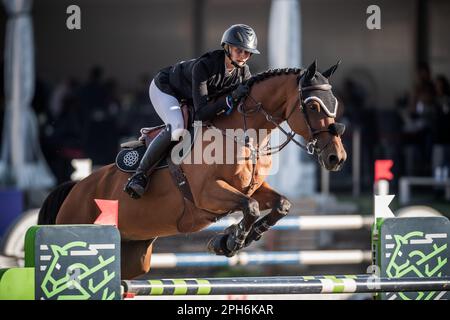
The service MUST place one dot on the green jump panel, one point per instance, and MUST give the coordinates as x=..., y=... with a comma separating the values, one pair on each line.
x=17, y=284
x=74, y=262
x=412, y=247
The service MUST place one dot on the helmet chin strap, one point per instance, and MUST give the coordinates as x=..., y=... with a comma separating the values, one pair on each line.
x=227, y=52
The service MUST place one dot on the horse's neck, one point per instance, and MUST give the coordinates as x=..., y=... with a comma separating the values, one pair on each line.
x=273, y=94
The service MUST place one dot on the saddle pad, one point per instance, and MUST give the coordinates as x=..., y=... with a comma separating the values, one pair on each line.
x=130, y=156
x=128, y=159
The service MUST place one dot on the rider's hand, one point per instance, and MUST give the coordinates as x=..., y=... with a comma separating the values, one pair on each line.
x=240, y=92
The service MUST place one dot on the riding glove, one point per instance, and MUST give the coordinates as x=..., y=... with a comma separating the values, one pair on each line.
x=240, y=92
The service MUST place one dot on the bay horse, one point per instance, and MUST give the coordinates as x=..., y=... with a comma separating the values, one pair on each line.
x=302, y=97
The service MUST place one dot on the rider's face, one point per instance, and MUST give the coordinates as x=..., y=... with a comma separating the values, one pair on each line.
x=239, y=55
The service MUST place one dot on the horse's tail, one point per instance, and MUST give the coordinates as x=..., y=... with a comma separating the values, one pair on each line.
x=51, y=205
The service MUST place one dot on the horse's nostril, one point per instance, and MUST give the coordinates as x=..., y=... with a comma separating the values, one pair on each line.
x=333, y=159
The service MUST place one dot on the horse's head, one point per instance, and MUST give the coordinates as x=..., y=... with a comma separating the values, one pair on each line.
x=313, y=118
x=316, y=120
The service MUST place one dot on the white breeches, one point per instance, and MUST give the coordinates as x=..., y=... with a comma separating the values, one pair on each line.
x=168, y=109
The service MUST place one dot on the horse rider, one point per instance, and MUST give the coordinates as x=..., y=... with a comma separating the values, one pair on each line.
x=195, y=80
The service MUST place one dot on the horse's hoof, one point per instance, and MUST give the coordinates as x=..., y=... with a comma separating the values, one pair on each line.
x=236, y=239
x=218, y=245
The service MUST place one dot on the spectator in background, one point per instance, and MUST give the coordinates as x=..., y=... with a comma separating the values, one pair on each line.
x=140, y=113
x=113, y=104
x=60, y=92
x=141, y=98
x=423, y=96
x=81, y=123
x=92, y=93
x=441, y=129
x=106, y=139
x=360, y=116
x=354, y=97
x=97, y=99
x=61, y=135
x=418, y=121
x=443, y=94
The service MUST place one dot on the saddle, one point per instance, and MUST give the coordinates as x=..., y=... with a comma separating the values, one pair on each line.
x=130, y=156
x=128, y=159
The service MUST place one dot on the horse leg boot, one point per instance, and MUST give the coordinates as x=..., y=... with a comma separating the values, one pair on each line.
x=233, y=238
x=268, y=198
x=137, y=184
x=219, y=196
x=238, y=232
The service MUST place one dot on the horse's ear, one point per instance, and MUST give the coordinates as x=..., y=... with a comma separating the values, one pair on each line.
x=311, y=71
x=327, y=74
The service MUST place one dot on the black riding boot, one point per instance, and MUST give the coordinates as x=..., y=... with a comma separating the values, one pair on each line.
x=136, y=185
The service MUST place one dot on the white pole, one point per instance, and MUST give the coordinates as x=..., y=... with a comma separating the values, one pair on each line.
x=356, y=162
x=289, y=175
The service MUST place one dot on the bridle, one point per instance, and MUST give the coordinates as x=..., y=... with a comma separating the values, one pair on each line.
x=311, y=147
x=335, y=129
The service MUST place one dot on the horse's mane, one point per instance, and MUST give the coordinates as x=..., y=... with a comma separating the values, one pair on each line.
x=271, y=73
x=261, y=77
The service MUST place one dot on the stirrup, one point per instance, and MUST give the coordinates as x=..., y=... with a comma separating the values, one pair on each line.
x=135, y=194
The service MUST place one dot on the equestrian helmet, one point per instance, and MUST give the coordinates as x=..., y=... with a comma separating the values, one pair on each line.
x=241, y=36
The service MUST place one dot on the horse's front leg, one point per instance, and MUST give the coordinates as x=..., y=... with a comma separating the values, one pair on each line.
x=267, y=199
x=219, y=196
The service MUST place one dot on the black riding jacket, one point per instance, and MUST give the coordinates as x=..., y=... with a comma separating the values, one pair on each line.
x=197, y=78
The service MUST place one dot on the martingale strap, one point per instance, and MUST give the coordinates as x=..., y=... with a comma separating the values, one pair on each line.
x=179, y=179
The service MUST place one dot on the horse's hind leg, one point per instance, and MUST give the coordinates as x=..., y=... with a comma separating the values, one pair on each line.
x=268, y=199
x=135, y=258
x=220, y=196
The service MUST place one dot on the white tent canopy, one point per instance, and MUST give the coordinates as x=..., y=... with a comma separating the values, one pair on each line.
x=21, y=163
x=293, y=173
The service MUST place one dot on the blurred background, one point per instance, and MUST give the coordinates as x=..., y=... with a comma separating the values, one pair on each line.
x=87, y=92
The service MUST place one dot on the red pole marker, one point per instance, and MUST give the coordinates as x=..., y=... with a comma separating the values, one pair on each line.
x=109, y=212
x=383, y=170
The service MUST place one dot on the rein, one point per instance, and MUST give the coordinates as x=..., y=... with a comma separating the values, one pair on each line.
x=311, y=147
x=335, y=129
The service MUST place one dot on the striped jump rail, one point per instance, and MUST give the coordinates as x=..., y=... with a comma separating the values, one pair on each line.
x=283, y=285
